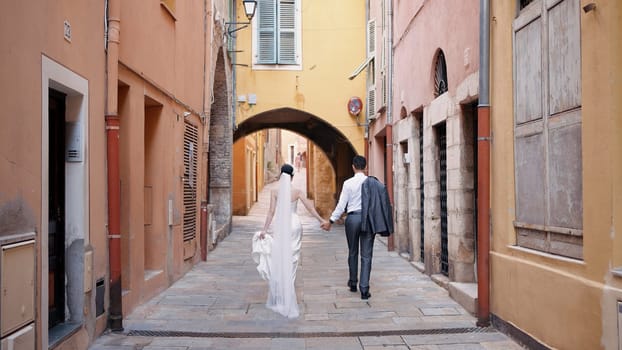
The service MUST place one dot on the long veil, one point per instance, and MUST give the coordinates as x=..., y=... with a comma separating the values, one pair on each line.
x=282, y=294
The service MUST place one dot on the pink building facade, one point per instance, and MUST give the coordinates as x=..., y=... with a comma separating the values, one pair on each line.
x=425, y=121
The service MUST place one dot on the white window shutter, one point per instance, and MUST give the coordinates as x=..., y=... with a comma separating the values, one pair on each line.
x=371, y=102
x=266, y=35
x=371, y=38
x=287, y=32
x=384, y=90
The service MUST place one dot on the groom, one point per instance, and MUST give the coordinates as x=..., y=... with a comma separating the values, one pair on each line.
x=350, y=198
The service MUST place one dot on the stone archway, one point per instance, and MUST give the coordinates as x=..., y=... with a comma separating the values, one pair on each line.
x=335, y=146
x=220, y=148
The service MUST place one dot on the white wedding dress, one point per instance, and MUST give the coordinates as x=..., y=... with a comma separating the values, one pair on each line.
x=277, y=255
x=262, y=247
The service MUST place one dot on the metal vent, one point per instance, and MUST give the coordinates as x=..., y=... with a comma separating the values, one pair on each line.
x=100, y=291
x=73, y=142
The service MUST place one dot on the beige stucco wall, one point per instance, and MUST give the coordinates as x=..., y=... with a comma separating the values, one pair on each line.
x=575, y=301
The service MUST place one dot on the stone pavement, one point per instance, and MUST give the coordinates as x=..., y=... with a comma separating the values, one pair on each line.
x=219, y=304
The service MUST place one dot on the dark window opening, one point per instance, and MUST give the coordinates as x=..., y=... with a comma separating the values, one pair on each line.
x=524, y=3
x=440, y=75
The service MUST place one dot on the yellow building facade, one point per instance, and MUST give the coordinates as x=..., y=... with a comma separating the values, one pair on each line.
x=556, y=198
x=292, y=65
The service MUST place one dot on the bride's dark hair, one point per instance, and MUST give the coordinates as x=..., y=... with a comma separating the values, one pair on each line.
x=287, y=169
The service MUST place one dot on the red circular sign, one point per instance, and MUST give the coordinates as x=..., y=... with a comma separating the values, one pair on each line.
x=355, y=105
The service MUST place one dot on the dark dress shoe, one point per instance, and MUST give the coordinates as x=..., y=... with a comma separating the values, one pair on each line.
x=352, y=286
x=365, y=295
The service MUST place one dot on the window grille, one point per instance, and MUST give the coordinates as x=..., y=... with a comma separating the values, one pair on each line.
x=440, y=75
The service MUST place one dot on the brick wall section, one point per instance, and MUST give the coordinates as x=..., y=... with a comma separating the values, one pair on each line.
x=220, y=149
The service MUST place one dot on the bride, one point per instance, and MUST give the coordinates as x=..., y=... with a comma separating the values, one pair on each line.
x=278, y=254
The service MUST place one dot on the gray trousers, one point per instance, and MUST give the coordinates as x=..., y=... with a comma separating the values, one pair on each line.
x=366, y=241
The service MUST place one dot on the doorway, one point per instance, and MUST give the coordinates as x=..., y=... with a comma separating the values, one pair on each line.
x=441, y=131
x=56, y=208
x=419, y=123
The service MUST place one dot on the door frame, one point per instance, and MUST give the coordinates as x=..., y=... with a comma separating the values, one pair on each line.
x=58, y=77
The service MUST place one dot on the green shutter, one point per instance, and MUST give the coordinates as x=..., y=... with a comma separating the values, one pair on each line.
x=266, y=35
x=287, y=32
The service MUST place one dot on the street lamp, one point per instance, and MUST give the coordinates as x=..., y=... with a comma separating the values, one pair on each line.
x=249, y=10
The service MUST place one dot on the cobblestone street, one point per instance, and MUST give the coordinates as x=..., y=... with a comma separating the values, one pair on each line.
x=219, y=304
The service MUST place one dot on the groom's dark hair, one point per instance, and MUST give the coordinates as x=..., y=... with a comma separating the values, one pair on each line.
x=359, y=162
x=287, y=169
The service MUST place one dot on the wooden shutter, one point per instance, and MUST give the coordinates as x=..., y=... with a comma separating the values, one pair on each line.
x=191, y=145
x=548, y=125
x=287, y=32
x=371, y=38
x=371, y=102
x=266, y=32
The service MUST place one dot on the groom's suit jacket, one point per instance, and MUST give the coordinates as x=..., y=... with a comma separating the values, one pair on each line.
x=376, y=210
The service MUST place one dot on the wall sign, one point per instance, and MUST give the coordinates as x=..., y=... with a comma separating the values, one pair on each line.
x=355, y=105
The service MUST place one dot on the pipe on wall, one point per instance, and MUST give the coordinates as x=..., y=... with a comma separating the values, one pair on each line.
x=389, y=127
x=115, y=310
x=205, y=162
x=483, y=169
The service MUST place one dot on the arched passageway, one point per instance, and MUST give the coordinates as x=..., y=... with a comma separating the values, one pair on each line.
x=336, y=147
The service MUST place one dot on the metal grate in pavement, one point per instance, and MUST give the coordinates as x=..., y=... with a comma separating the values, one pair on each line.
x=174, y=334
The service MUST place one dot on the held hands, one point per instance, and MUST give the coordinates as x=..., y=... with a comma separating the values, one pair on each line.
x=325, y=225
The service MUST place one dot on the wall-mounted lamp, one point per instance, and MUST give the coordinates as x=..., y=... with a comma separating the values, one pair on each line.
x=249, y=10
x=186, y=114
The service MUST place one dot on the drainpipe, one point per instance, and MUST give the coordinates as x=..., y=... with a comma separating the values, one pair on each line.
x=389, y=126
x=115, y=311
x=233, y=11
x=203, y=226
x=483, y=169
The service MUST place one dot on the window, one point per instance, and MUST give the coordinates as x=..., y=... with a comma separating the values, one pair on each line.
x=547, y=122
x=191, y=150
x=277, y=33
x=440, y=75
x=371, y=70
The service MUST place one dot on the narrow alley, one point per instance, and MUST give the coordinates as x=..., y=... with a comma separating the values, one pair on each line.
x=219, y=304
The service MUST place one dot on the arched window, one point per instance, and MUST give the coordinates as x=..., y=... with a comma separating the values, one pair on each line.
x=440, y=75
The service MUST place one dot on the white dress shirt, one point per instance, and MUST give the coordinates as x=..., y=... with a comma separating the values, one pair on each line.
x=350, y=196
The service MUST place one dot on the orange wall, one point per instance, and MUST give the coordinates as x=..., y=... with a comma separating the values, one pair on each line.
x=239, y=178
x=28, y=30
